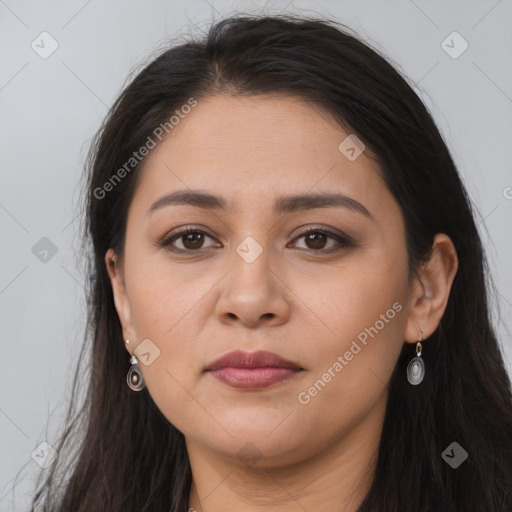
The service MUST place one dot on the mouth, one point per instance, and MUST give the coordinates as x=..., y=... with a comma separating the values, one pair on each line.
x=256, y=370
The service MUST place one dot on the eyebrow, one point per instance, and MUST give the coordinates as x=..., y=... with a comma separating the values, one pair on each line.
x=285, y=204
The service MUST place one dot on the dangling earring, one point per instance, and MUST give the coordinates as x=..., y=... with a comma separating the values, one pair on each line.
x=134, y=378
x=416, y=367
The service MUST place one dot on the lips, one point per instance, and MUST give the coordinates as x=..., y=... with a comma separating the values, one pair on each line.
x=259, y=359
x=253, y=371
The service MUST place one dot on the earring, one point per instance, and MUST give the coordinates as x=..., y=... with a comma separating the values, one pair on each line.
x=416, y=367
x=134, y=378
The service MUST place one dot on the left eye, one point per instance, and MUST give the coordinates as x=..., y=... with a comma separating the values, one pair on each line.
x=318, y=237
x=315, y=240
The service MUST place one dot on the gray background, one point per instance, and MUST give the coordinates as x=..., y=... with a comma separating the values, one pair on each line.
x=50, y=108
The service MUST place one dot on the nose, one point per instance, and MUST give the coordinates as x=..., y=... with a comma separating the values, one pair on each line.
x=254, y=294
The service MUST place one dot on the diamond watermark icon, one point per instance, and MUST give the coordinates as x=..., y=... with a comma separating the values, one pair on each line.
x=44, y=250
x=454, y=45
x=454, y=455
x=44, y=45
x=351, y=147
x=44, y=455
x=249, y=249
x=147, y=352
x=249, y=454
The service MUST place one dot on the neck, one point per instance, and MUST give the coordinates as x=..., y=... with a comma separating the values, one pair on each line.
x=337, y=478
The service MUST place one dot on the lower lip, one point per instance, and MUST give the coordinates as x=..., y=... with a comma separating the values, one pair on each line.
x=253, y=378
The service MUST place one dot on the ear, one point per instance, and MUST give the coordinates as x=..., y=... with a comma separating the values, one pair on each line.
x=121, y=301
x=431, y=289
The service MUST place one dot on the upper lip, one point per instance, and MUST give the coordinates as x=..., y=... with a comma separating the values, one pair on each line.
x=259, y=359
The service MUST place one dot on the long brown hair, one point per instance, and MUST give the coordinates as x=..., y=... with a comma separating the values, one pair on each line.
x=118, y=453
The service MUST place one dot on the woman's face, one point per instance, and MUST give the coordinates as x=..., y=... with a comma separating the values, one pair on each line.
x=250, y=280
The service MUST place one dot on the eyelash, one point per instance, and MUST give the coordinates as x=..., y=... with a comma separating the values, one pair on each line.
x=343, y=241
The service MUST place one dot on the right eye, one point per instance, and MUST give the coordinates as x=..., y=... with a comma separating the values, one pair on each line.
x=191, y=239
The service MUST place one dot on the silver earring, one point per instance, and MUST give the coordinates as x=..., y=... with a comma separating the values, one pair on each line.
x=416, y=367
x=134, y=378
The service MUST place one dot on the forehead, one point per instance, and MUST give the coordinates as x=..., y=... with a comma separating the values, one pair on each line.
x=249, y=147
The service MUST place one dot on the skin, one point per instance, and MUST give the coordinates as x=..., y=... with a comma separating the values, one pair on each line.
x=292, y=300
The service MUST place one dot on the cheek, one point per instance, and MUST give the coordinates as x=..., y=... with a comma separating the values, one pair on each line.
x=162, y=295
x=351, y=372
x=166, y=302
x=363, y=339
x=360, y=301
x=363, y=320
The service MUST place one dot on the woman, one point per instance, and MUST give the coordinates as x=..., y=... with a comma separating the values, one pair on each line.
x=288, y=305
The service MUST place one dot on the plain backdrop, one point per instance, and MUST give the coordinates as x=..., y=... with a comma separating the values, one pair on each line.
x=51, y=105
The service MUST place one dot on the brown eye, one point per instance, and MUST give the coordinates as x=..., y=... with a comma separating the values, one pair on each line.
x=316, y=239
x=191, y=240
